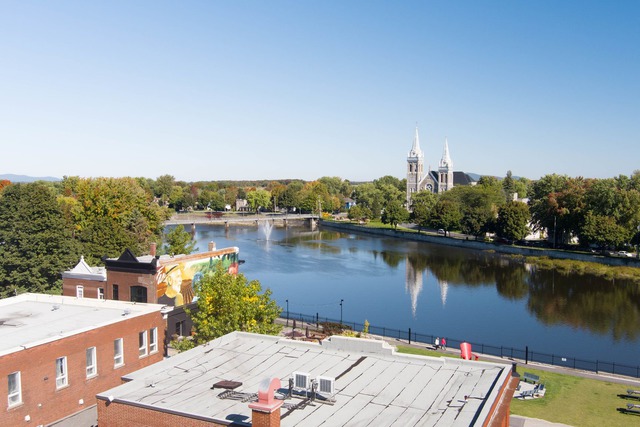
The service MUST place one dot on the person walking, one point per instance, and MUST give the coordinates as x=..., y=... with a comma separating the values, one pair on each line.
x=437, y=343
x=443, y=343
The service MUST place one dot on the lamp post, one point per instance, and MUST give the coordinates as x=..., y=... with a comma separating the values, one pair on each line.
x=341, y=301
x=287, y=312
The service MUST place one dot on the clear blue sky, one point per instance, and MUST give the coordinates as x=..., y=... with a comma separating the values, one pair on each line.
x=211, y=90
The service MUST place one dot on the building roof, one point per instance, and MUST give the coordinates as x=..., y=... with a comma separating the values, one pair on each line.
x=85, y=272
x=29, y=320
x=373, y=384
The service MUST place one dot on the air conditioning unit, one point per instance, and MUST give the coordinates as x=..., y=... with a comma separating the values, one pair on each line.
x=326, y=385
x=301, y=380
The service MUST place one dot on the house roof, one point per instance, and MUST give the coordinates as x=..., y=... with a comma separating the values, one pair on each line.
x=373, y=384
x=85, y=272
x=29, y=320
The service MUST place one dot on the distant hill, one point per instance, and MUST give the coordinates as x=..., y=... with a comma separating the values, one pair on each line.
x=24, y=178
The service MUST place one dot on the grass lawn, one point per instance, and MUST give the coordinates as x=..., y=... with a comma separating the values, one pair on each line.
x=568, y=400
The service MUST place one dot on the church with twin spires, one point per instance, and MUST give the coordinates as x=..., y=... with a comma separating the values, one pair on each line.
x=444, y=179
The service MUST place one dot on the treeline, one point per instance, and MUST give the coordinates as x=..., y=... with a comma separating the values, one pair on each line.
x=603, y=213
x=45, y=227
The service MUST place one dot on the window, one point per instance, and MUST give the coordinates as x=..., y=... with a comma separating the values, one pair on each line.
x=118, y=354
x=115, y=292
x=79, y=291
x=142, y=343
x=138, y=294
x=15, y=389
x=100, y=293
x=92, y=366
x=61, y=372
x=180, y=328
x=153, y=340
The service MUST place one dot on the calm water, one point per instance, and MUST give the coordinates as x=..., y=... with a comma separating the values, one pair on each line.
x=439, y=290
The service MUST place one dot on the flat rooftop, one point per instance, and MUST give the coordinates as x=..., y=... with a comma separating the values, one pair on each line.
x=373, y=384
x=29, y=320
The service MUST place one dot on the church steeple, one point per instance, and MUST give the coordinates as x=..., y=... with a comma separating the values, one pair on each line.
x=415, y=149
x=445, y=161
x=445, y=170
x=415, y=160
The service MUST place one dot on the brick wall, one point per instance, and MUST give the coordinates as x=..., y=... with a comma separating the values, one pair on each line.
x=90, y=287
x=42, y=402
x=126, y=280
x=114, y=414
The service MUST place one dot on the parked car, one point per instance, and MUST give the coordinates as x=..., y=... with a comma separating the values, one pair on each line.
x=625, y=253
x=441, y=231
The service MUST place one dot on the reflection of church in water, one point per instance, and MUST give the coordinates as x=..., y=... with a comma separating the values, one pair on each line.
x=444, y=179
x=413, y=285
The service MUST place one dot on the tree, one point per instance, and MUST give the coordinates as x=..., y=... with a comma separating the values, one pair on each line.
x=35, y=244
x=513, y=220
x=509, y=187
x=178, y=241
x=422, y=203
x=163, y=186
x=112, y=214
x=228, y=303
x=369, y=196
x=602, y=231
x=446, y=214
x=394, y=213
x=258, y=199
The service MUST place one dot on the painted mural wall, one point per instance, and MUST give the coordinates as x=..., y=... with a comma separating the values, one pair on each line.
x=178, y=281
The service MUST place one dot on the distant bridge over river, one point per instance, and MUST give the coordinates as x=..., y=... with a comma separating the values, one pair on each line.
x=227, y=219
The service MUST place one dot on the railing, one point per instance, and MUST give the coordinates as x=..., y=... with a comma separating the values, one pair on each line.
x=525, y=354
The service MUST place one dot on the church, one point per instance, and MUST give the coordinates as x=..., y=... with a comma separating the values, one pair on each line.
x=444, y=179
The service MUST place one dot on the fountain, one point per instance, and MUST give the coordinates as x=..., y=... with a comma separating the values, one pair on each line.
x=266, y=227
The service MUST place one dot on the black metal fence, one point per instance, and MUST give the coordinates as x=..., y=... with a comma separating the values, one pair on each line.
x=526, y=354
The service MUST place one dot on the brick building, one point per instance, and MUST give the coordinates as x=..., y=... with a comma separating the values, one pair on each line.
x=57, y=353
x=157, y=279
x=245, y=379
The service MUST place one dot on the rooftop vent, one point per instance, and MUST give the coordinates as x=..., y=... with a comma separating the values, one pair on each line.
x=326, y=385
x=55, y=307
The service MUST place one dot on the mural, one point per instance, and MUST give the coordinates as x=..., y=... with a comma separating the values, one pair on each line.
x=177, y=282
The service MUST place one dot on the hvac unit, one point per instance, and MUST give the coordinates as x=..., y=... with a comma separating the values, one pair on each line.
x=301, y=380
x=326, y=385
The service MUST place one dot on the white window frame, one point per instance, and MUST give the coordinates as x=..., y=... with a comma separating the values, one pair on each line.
x=153, y=340
x=118, y=352
x=14, y=397
x=100, y=293
x=79, y=291
x=62, y=375
x=92, y=362
x=142, y=346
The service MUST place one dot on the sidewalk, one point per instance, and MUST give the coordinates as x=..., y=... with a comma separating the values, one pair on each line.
x=519, y=421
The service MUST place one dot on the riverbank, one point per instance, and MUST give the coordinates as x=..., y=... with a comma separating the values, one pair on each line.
x=465, y=242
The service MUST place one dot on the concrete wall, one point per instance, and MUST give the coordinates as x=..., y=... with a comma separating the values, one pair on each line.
x=483, y=246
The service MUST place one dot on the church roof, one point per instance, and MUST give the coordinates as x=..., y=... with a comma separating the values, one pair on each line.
x=461, y=178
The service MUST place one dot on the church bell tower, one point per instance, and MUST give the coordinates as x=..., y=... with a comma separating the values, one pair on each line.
x=415, y=164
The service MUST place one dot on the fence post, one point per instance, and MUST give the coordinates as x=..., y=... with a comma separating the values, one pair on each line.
x=384, y=332
x=409, y=335
x=526, y=355
x=596, y=366
x=317, y=321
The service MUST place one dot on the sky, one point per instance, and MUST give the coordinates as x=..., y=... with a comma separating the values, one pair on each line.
x=233, y=90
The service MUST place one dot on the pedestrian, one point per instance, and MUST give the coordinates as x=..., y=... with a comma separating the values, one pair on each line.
x=437, y=343
x=443, y=343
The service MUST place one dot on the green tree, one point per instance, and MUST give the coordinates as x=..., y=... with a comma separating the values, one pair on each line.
x=513, y=220
x=163, y=186
x=422, y=203
x=259, y=199
x=394, y=213
x=369, y=196
x=178, y=241
x=509, y=186
x=35, y=244
x=446, y=214
x=228, y=303
x=602, y=231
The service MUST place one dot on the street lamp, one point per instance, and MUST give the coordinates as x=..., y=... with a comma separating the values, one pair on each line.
x=341, y=301
x=287, y=312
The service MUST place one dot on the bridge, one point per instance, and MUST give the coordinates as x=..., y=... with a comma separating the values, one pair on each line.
x=226, y=219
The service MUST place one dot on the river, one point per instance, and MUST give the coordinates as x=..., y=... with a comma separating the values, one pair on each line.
x=439, y=290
